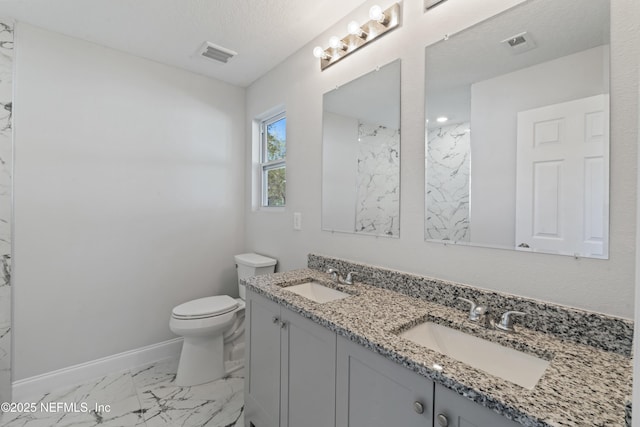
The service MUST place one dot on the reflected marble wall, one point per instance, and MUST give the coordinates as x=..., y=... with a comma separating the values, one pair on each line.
x=378, y=180
x=6, y=162
x=448, y=163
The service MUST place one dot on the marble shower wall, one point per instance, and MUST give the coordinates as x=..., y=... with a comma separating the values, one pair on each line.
x=378, y=180
x=6, y=162
x=448, y=163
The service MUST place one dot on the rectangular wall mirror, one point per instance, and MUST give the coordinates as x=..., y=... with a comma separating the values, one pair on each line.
x=517, y=132
x=361, y=155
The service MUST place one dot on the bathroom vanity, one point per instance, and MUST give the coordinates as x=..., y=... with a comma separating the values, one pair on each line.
x=347, y=361
x=289, y=352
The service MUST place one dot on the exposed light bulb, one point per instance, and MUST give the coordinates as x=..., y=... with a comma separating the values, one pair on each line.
x=442, y=119
x=354, y=29
x=359, y=34
x=376, y=14
x=336, y=43
x=319, y=53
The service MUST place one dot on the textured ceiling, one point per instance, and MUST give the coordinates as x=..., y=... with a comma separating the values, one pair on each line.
x=263, y=32
x=559, y=28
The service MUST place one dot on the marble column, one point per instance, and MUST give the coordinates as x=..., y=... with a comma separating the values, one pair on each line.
x=447, y=200
x=6, y=164
x=378, y=180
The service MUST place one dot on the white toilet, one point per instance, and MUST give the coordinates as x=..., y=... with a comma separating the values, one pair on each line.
x=213, y=328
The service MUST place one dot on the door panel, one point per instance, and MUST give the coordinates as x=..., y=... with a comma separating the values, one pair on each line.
x=462, y=412
x=376, y=392
x=547, y=185
x=308, y=367
x=263, y=362
x=562, y=190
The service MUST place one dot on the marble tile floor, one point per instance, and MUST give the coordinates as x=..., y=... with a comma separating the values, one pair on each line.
x=145, y=396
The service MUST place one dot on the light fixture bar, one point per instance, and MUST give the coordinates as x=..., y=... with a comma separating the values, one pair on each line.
x=430, y=4
x=370, y=31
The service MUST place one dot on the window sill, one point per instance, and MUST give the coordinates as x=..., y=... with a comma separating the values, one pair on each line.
x=271, y=209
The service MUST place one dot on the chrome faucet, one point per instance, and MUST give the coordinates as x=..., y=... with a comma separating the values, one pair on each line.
x=476, y=310
x=335, y=274
x=337, y=277
x=349, y=279
x=506, y=323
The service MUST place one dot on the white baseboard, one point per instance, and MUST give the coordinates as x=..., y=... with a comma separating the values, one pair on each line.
x=84, y=372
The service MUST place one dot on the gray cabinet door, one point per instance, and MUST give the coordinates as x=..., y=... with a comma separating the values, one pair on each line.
x=459, y=411
x=373, y=391
x=308, y=373
x=262, y=362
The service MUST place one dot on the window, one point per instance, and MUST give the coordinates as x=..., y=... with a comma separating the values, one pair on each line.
x=273, y=151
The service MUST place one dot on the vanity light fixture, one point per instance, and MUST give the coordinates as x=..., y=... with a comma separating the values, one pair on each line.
x=354, y=29
x=430, y=4
x=336, y=43
x=376, y=14
x=381, y=21
x=442, y=119
x=319, y=53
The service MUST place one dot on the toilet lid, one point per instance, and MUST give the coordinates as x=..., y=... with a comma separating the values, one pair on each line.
x=205, y=307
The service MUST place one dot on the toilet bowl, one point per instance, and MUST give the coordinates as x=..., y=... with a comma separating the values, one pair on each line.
x=213, y=328
x=204, y=323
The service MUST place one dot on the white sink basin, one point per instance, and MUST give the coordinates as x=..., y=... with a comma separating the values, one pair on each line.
x=316, y=292
x=495, y=359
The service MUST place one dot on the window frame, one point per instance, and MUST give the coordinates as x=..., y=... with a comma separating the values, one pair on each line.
x=266, y=165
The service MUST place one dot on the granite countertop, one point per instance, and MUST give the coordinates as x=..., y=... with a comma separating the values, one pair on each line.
x=583, y=385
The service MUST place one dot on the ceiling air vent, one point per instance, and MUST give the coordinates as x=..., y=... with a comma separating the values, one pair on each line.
x=519, y=43
x=217, y=53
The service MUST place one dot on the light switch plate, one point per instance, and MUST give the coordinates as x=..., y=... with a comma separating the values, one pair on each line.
x=297, y=221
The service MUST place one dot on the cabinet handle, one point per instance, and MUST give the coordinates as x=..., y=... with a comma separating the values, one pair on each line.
x=442, y=420
x=283, y=324
x=275, y=319
x=418, y=407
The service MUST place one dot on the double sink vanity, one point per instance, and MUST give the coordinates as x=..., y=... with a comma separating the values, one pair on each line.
x=393, y=348
x=516, y=157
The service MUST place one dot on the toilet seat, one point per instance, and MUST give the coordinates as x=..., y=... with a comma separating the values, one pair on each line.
x=203, y=308
x=212, y=328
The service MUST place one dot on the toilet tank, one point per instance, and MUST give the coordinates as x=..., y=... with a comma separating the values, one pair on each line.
x=249, y=265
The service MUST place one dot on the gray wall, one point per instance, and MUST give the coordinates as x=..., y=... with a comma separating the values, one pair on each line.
x=128, y=198
x=341, y=158
x=636, y=337
x=601, y=285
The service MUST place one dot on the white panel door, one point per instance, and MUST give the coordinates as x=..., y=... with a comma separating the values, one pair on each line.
x=562, y=190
